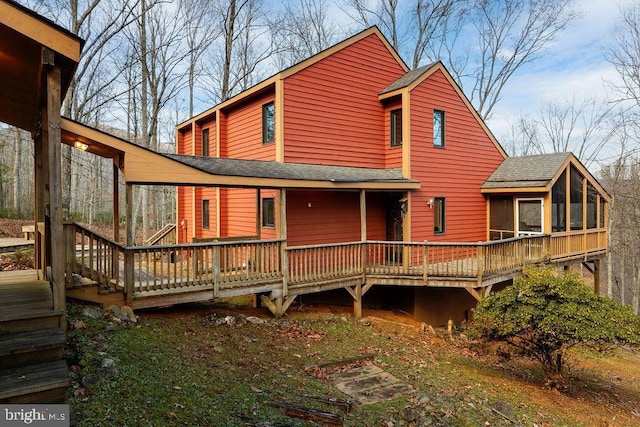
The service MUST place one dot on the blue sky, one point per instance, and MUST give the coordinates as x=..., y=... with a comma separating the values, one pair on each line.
x=574, y=65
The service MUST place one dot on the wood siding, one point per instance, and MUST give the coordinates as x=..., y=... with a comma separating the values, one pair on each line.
x=243, y=131
x=454, y=172
x=184, y=213
x=332, y=114
x=317, y=217
x=237, y=212
x=393, y=155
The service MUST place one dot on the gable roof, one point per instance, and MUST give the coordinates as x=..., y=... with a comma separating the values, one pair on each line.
x=281, y=75
x=407, y=80
x=526, y=171
x=411, y=79
x=535, y=173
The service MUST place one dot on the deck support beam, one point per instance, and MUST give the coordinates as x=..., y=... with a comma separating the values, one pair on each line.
x=357, y=292
x=480, y=293
x=278, y=305
x=595, y=270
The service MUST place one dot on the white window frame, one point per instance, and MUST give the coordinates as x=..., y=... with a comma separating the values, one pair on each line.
x=517, y=219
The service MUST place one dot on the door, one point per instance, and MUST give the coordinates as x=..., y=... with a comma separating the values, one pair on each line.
x=530, y=217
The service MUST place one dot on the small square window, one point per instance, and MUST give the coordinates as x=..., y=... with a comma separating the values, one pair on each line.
x=396, y=127
x=438, y=128
x=205, y=142
x=438, y=215
x=268, y=213
x=268, y=123
x=205, y=214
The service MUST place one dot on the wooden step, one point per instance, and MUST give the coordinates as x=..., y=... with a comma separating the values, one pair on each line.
x=27, y=348
x=40, y=383
x=30, y=320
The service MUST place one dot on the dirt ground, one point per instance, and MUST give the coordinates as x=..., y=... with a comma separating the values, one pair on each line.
x=13, y=227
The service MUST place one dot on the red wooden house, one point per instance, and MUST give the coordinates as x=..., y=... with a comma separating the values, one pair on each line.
x=350, y=145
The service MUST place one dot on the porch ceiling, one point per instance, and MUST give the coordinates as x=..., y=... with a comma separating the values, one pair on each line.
x=23, y=35
x=143, y=166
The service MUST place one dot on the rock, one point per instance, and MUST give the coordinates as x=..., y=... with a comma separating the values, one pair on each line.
x=410, y=415
x=128, y=312
x=424, y=398
x=110, y=328
x=108, y=363
x=89, y=380
x=255, y=320
x=503, y=408
x=91, y=312
x=229, y=320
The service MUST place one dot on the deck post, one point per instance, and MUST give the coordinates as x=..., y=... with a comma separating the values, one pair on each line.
x=283, y=245
x=481, y=262
x=425, y=262
x=128, y=276
x=69, y=253
x=129, y=214
x=216, y=270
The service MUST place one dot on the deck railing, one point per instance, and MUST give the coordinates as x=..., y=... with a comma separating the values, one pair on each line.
x=142, y=270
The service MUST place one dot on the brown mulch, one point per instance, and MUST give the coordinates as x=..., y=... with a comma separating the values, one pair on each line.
x=13, y=227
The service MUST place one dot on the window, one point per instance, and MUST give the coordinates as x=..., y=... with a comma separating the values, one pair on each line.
x=268, y=123
x=575, y=199
x=438, y=215
x=592, y=205
x=558, y=204
x=396, y=127
x=268, y=214
x=205, y=214
x=205, y=142
x=438, y=128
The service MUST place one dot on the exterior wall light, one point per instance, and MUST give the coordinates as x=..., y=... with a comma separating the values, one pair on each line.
x=430, y=203
x=80, y=145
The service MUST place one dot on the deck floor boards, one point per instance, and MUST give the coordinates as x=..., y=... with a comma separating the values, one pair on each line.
x=21, y=292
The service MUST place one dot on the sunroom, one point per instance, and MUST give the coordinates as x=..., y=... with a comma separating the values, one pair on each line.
x=544, y=194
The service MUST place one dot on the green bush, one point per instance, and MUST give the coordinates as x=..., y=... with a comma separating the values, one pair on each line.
x=544, y=315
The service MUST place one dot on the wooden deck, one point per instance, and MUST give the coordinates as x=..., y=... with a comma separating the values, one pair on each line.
x=148, y=276
x=12, y=244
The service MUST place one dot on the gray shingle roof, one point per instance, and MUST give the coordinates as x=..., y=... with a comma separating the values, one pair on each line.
x=407, y=79
x=292, y=171
x=526, y=171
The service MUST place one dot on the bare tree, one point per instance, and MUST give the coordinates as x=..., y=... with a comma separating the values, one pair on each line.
x=415, y=30
x=582, y=127
x=302, y=29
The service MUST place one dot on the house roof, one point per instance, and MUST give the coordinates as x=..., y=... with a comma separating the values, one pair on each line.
x=526, y=171
x=407, y=79
x=141, y=165
x=536, y=173
x=290, y=171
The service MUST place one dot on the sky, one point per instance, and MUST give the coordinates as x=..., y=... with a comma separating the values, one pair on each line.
x=575, y=65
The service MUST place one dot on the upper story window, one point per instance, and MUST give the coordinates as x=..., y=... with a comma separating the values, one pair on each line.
x=395, y=117
x=438, y=128
x=268, y=213
x=438, y=215
x=268, y=123
x=205, y=142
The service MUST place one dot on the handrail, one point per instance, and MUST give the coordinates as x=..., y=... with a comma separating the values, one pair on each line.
x=237, y=264
x=160, y=234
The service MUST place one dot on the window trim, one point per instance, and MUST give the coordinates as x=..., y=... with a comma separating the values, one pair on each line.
x=394, y=115
x=205, y=142
x=265, y=212
x=205, y=218
x=266, y=138
x=444, y=213
x=441, y=143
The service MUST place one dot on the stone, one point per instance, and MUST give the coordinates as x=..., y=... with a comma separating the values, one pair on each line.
x=503, y=408
x=108, y=363
x=255, y=320
x=128, y=312
x=91, y=312
x=410, y=415
x=89, y=380
x=424, y=398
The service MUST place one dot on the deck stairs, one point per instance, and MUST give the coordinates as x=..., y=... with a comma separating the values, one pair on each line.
x=31, y=344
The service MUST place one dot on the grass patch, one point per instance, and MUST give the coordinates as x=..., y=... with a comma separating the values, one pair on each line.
x=191, y=367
